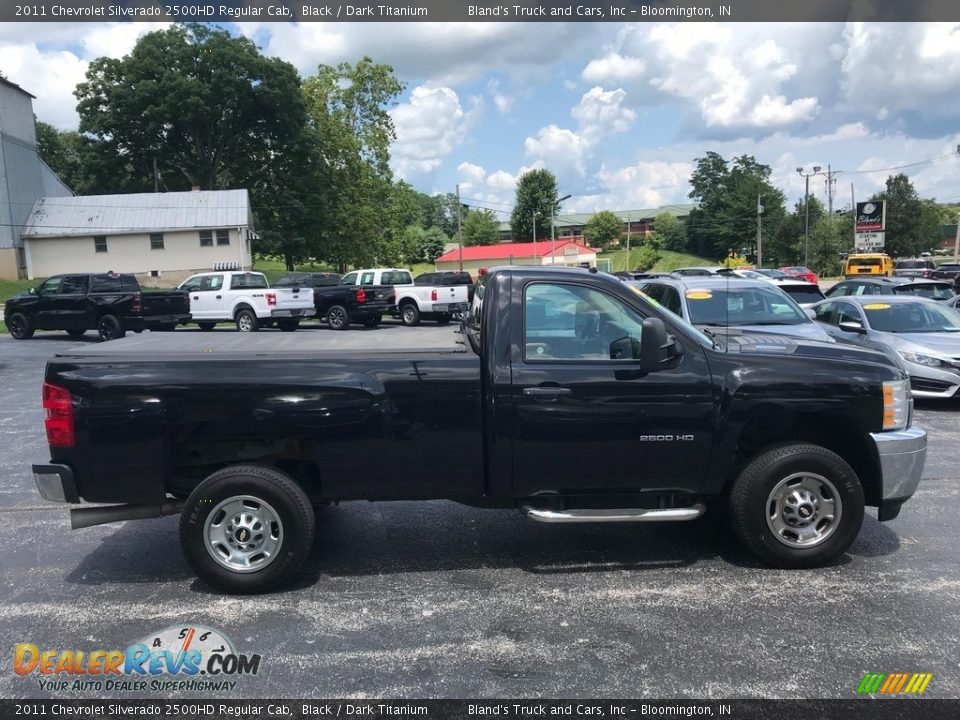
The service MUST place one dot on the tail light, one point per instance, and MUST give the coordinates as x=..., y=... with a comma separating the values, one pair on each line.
x=58, y=416
x=361, y=296
x=928, y=274
x=271, y=299
x=137, y=304
x=433, y=294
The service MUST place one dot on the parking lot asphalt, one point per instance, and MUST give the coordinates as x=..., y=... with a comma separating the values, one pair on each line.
x=434, y=599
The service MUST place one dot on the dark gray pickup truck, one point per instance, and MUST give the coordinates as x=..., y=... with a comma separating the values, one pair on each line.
x=572, y=397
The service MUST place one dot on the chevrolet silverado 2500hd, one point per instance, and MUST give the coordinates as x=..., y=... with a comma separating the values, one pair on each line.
x=572, y=398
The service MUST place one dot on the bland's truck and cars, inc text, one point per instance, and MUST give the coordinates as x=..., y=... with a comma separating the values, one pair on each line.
x=539, y=407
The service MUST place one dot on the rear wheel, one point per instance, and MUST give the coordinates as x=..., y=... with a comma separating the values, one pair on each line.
x=76, y=332
x=338, y=318
x=247, y=320
x=372, y=322
x=288, y=325
x=410, y=314
x=246, y=529
x=797, y=506
x=206, y=326
x=20, y=327
x=109, y=328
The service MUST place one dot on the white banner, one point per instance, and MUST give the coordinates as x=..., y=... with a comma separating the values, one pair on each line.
x=869, y=241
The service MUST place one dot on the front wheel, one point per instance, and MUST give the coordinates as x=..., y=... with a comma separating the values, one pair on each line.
x=338, y=318
x=109, y=328
x=797, y=506
x=20, y=327
x=246, y=529
x=247, y=321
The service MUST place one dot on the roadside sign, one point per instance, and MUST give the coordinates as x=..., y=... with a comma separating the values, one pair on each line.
x=871, y=217
x=869, y=241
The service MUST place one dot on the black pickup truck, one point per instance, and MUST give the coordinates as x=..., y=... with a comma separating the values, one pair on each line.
x=109, y=303
x=339, y=304
x=572, y=397
x=945, y=271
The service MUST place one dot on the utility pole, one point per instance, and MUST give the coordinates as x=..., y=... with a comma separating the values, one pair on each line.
x=956, y=243
x=759, y=234
x=830, y=180
x=459, y=227
x=553, y=228
x=853, y=214
x=806, y=212
x=534, y=234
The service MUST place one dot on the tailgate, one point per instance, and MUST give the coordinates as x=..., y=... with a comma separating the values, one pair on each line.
x=295, y=298
x=165, y=303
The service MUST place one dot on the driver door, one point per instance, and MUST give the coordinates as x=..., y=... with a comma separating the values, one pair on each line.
x=586, y=422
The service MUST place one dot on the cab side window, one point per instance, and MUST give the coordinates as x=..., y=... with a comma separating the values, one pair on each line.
x=573, y=322
x=192, y=285
x=827, y=313
x=847, y=312
x=211, y=282
x=350, y=279
x=671, y=301
x=73, y=285
x=50, y=286
x=366, y=278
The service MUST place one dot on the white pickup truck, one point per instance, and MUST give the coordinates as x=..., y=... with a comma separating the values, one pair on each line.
x=246, y=299
x=415, y=302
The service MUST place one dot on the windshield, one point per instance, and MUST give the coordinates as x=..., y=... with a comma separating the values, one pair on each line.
x=702, y=337
x=864, y=262
x=803, y=294
x=911, y=317
x=911, y=264
x=742, y=306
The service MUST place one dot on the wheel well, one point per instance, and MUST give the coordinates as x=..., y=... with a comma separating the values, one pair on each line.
x=837, y=434
x=242, y=306
x=408, y=301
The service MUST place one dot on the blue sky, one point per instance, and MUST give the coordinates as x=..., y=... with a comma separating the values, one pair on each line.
x=617, y=111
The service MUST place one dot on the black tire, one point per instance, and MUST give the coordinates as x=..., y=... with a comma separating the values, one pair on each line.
x=76, y=332
x=442, y=318
x=288, y=325
x=753, y=506
x=109, y=328
x=20, y=327
x=272, y=494
x=373, y=321
x=246, y=320
x=207, y=326
x=338, y=318
x=410, y=314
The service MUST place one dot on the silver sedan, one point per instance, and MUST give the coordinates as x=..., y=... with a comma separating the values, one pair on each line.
x=924, y=334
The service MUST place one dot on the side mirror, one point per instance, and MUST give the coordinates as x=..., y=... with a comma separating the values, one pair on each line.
x=852, y=326
x=811, y=313
x=625, y=348
x=32, y=291
x=656, y=345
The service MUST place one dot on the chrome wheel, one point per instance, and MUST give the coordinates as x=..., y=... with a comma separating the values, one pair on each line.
x=243, y=534
x=803, y=510
x=244, y=322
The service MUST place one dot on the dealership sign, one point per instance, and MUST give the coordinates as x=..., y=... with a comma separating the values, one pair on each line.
x=869, y=241
x=871, y=216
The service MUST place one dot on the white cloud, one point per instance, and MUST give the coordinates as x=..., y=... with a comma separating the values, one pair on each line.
x=601, y=112
x=429, y=126
x=561, y=149
x=471, y=173
x=613, y=68
x=502, y=180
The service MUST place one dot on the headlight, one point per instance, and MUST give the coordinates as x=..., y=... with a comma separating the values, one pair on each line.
x=919, y=359
x=896, y=404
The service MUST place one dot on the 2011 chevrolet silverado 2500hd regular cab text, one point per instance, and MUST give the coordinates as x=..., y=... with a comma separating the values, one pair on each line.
x=573, y=398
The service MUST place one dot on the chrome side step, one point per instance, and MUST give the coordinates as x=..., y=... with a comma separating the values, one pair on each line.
x=585, y=515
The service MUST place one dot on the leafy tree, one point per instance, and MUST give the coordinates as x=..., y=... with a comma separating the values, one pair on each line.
x=432, y=244
x=911, y=226
x=726, y=193
x=203, y=107
x=536, y=194
x=830, y=237
x=786, y=245
x=645, y=257
x=481, y=227
x=669, y=232
x=603, y=229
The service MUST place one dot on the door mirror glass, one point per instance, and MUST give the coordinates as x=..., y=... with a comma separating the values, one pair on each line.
x=32, y=291
x=852, y=326
x=811, y=313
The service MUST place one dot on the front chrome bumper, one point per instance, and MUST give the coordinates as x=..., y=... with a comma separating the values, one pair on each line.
x=902, y=454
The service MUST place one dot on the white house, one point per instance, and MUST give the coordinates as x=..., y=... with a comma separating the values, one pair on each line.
x=161, y=237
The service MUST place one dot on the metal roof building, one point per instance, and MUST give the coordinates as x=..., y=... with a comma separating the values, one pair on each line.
x=154, y=235
x=639, y=221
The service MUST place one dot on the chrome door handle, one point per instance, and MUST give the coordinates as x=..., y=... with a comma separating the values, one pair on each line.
x=548, y=391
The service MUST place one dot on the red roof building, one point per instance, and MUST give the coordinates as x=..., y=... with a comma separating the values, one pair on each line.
x=544, y=252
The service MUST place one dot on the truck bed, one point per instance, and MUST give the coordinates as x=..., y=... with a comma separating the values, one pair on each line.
x=305, y=344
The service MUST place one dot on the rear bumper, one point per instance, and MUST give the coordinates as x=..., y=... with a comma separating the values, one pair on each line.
x=295, y=313
x=902, y=454
x=56, y=483
x=139, y=322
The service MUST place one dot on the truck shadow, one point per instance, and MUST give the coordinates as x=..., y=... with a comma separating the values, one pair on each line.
x=376, y=539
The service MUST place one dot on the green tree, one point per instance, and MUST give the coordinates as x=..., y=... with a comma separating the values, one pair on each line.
x=727, y=192
x=603, y=229
x=192, y=105
x=536, y=195
x=432, y=245
x=669, y=232
x=911, y=226
x=348, y=108
x=830, y=237
x=644, y=257
x=481, y=227
x=786, y=245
